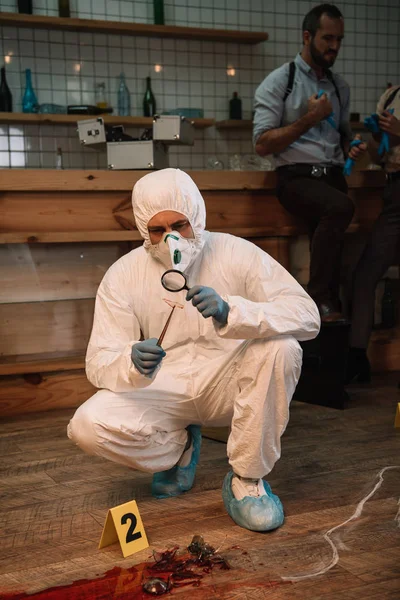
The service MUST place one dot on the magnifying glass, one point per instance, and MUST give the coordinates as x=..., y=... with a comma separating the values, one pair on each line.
x=174, y=281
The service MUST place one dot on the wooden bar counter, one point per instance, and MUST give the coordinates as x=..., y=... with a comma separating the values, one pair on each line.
x=61, y=230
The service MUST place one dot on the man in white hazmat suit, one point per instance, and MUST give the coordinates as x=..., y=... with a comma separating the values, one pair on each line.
x=229, y=357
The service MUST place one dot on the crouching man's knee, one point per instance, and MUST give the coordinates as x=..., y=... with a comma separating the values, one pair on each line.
x=82, y=429
x=288, y=355
x=290, y=350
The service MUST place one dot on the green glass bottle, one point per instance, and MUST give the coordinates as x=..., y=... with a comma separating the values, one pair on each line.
x=63, y=8
x=5, y=94
x=158, y=12
x=25, y=7
x=235, y=107
x=149, y=102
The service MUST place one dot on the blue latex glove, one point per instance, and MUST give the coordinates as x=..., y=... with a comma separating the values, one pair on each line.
x=146, y=356
x=329, y=118
x=349, y=164
x=209, y=303
x=372, y=124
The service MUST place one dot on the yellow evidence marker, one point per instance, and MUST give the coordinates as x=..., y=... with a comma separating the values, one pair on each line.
x=124, y=524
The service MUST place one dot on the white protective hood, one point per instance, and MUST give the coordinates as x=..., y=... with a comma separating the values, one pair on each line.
x=169, y=189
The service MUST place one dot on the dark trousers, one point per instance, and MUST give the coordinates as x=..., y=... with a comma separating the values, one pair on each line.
x=327, y=210
x=381, y=251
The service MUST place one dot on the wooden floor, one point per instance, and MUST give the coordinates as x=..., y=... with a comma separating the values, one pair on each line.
x=54, y=499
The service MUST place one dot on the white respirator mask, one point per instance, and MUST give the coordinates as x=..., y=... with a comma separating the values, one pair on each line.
x=174, y=251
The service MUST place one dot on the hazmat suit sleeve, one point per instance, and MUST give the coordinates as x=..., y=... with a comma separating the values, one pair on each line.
x=273, y=303
x=115, y=330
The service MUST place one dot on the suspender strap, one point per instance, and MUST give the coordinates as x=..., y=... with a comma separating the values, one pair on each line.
x=331, y=79
x=292, y=69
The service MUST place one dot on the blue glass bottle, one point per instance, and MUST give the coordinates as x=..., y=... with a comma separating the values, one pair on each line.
x=124, y=98
x=29, y=101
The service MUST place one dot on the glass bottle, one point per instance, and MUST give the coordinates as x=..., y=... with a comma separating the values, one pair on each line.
x=29, y=100
x=25, y=7
x=5, y=94
x=149, y=102
x=63, y=8
x=59, y=159
x=124, y=98
x=235, y=107
x=158, y=6
x=101, y=101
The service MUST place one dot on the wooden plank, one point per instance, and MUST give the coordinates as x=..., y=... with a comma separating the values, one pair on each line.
x=59, y=390
x=245, y=209
x=41, y=272
x=35, y=327
x=24, y=212
x=43, y=180
x=64, y=211
x=234, y=124
x=135, y=29
x=248, y=124
x=49, y=237
x=253, y=215
x=41, y=363
x=65, y=119
x=384, y=350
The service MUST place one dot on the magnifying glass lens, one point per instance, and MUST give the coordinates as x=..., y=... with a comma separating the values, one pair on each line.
x=174, y=281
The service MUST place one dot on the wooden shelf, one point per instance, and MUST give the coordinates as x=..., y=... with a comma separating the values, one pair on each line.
x=58, y=237
x=234, y=124
x=40, y=363
x=103, y=180
x=134, y=29
x=248, y=124
x=47, y=119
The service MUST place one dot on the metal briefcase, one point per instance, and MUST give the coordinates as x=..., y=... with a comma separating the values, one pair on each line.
x=141, y=154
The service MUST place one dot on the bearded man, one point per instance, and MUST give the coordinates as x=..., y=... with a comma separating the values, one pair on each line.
x=302, y=118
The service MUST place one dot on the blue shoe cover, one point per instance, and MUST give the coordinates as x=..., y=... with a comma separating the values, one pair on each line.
x=257, y=514
x=177, y=480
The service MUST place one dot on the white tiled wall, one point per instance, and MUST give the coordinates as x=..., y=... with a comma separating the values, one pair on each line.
x=66, y=66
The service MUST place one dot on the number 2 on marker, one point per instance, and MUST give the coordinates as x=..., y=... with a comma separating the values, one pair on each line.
x=130, y=536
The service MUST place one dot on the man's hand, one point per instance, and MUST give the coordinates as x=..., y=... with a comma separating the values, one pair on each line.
x=209, y=303
x=389, y=123
x=319, y=108
x=146, y=356
x=357, y=151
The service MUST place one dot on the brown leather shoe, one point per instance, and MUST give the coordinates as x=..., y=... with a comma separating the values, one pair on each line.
x=329, y=314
